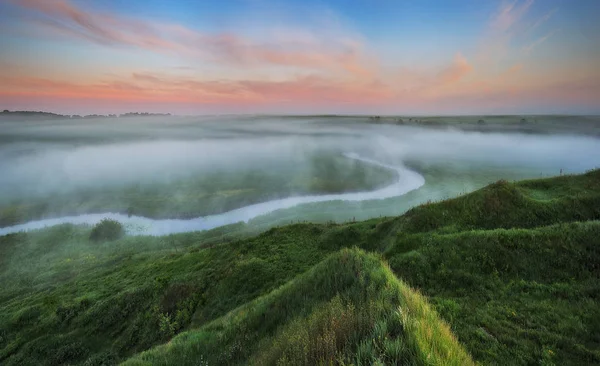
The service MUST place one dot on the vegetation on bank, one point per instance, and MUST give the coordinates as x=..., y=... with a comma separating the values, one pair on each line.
x=511, y=268
x=107, y=230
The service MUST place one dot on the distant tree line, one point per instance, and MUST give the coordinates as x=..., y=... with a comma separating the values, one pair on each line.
x=431, y=122
x=143, y=114
x=6, y=112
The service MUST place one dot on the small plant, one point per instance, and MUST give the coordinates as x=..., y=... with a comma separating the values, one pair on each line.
x=167, y=325
x=107, y=230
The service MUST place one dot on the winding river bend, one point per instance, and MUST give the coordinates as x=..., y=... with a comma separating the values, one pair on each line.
x=407, y=180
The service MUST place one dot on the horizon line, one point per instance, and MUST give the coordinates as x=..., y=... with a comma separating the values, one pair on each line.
x=170, y=114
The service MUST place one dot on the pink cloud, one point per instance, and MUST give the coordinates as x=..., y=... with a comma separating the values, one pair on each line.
x=313, y=92
x=459, y=68
x=100, y=28
x=147, y=87
x=107, y=29
x=506, y=25
x=515, y=69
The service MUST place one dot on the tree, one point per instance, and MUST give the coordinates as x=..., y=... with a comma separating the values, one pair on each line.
x=107, y=230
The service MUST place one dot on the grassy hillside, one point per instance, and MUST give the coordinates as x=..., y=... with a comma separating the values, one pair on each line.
x=512, y=269
x=349, y=308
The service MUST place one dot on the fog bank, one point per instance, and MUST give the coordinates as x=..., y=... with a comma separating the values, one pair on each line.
x=407, y=181
x=45, y=158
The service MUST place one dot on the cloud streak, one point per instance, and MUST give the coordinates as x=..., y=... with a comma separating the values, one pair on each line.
x=543, y=19
x=509, y=14
x=147, y=87
x=66, y=19
x=528, y=48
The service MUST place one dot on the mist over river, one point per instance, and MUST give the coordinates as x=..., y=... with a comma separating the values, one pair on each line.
x=162, y=175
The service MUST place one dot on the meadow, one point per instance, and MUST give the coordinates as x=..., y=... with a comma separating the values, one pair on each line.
x=505, y=275
x=456, y=272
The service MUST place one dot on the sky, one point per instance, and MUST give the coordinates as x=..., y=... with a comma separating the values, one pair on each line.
x=301, y=56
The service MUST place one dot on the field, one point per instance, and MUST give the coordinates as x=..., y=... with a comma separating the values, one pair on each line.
x=512, y=269
x=455, y=272
x=200, y=195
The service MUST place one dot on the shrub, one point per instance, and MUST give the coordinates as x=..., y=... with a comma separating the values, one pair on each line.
x=175, y=296
x=107, y=230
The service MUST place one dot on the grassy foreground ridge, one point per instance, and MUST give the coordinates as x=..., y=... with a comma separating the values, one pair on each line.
x=509, y=274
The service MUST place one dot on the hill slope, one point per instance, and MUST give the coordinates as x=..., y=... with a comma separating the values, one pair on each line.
x=350, y=308
x=512, y=268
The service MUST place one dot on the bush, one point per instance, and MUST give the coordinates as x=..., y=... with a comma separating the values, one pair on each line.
x=107, y=230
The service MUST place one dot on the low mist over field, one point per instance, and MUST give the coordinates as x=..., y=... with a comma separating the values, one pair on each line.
x=186, y=167
x=55, y=155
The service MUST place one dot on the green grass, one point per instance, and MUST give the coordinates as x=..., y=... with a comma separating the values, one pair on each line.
x=353, y=310
x=511, y=294
x=512, y=269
